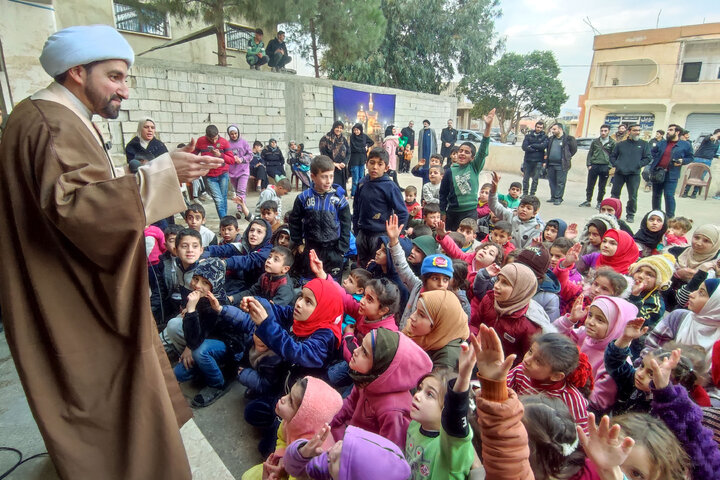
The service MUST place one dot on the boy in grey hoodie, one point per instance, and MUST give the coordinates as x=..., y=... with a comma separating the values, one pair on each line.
x=525, y=224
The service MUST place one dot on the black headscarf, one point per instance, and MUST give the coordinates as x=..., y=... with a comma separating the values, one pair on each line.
x=647, y=238
x=357, y=142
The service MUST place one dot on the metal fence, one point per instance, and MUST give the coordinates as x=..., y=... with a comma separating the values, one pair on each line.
x=238, y=37
x=143, y=20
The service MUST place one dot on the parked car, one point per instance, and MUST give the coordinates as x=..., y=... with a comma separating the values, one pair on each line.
x=511, y=138
x=584, y=142
x=473, y=137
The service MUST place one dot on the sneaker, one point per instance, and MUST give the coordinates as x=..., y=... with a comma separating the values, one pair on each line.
x=557, y=202
x=694, y=195
x=630, y=219
x=684, y=195
x=550, y=200
x=585, y=204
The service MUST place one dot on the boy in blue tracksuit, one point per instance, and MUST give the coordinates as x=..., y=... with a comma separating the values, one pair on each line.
x=320, y=220
x=376, y=199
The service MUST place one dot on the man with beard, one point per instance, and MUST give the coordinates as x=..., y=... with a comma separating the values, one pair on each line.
x=621, y=134
x=448, y=137
x=75, y=292
x=427, y=142
x=534, y=146
x=669, y=155
x=628, y=159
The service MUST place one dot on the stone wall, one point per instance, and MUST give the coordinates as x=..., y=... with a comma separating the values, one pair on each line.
x=183, y=99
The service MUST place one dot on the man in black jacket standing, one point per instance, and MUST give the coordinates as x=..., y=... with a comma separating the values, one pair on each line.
x=534, y=147
x=560, y=149
x=276, y=52
x=628, y=159
x=598, y=164
x=448, y=137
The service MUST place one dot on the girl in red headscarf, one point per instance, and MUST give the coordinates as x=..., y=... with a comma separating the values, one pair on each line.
x=617, y=251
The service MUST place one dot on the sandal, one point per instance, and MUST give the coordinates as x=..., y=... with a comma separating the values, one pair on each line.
x=209, y=395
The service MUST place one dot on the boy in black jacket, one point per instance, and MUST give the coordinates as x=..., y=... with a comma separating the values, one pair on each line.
x=320, y=220
x=275, y=284
x=376, y=199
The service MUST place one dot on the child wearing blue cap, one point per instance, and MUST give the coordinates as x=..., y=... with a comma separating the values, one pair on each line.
x=435, y=273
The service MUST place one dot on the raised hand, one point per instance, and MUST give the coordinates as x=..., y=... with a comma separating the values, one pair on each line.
x=316, y=265
x=633, y=329
x=313, y=447
x=257, y=312
x=604, y=448
x=662, y=370
x=491, y=361
x=571, y=231
x=440, y=230
x=537, y=241
x=214, y=302
x=578, y=312
x=494, y=182
x=393, y=229
x=572, y=255
x=465, y=367
x=493, y=269
x=488, y=119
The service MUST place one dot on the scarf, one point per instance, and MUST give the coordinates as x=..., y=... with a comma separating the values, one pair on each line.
x=384, y=346
x=327, y=314
x=626, y=254
x=335, y=145
x=614, y=203
x=648, y=238
x=449, y=320
x=618, y=313
x=357, y=142
x=689, y=259
x=524, y=286
x=702, y=328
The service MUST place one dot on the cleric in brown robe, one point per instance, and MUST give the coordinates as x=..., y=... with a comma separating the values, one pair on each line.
x=74, y=286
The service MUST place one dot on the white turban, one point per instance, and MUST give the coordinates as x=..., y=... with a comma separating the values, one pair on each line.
x=83, y=44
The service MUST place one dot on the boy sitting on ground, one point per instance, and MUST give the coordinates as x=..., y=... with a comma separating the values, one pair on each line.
x=195, y=218
x=275, y=284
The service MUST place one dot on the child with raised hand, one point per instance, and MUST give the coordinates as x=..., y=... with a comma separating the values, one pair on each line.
x=354, y=284
x=650, y=235
x=608, y=453
x=555, y=367
x=651, y=276
x=439, y=440
x=592, y=234
x=439, y=326
x=605, y=320
x=672, y=405
x=309, y=405
x=384, y=368
x=505, y=452
x=505, y=307
x=360, y=455
x=525, y=224
x=485, y=254
x=634, y=387
x=436, y=271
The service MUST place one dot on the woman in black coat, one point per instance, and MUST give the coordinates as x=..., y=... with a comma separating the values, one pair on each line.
x=145, y=144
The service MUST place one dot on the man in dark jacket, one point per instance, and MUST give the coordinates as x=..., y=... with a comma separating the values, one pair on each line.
x=276, y=52
x=560, y=150
x=705, y=153
x=448, y=137
x=534, y=147
x=628, y=159
x=669, y=155
x=409, y=133
x=598, y=164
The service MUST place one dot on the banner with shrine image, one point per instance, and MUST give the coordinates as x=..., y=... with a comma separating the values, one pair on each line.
x=375, y=111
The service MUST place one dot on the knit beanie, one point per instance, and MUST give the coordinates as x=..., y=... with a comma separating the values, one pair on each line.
x=426, y=243
x=537, y=258
x=712, y=284
x=663, y=265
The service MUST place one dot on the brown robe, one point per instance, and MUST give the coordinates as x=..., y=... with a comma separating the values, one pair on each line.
x=74, y=294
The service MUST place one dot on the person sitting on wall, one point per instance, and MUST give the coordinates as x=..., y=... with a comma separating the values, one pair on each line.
x=255, y=55
x=277, y=53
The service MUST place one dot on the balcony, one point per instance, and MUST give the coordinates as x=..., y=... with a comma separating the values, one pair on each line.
x=140, y=20
x=623, y=73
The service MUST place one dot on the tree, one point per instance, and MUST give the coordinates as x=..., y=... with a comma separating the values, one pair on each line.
x=516, y=85
x=212, y=12
x=341, y=31
x=425, y=43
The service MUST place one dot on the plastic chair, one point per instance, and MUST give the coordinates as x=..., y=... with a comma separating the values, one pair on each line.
x=694, y=177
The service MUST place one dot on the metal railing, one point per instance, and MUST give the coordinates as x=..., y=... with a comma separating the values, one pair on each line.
x=143, y=20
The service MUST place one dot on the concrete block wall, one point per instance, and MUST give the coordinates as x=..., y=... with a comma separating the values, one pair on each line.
x=184, y=98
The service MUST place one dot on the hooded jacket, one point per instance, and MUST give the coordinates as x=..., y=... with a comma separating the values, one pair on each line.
x=375, y=201
x=618, y=313
x=240, y=148
x=390, y=144
x=392, y=272
x=534, y=146
x=547, y=295
x=364, y=456
x=383, y=406
x=244, y=262
x=274, y=160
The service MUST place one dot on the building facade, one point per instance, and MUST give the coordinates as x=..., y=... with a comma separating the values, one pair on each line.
x=654, y=78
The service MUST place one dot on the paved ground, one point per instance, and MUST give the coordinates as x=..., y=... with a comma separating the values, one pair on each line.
x=222, y=423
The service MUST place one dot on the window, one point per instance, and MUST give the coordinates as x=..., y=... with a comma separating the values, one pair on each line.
x=140, y=20
x=691, y=72
x=237, y=37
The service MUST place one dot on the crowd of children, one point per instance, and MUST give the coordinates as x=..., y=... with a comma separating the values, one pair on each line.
x=464, y=337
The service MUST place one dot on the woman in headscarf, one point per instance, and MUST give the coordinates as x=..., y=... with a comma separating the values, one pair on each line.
x=439, y=325
x=613, y=206
x=240, y=171
x=335, y=146
x=390, y=144
x=704, y=247
x=650, y=234
x=359, y=146
x=274, y=160
x=146, y=143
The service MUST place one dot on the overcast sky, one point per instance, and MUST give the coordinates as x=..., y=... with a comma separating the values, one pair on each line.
x=558, y=25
